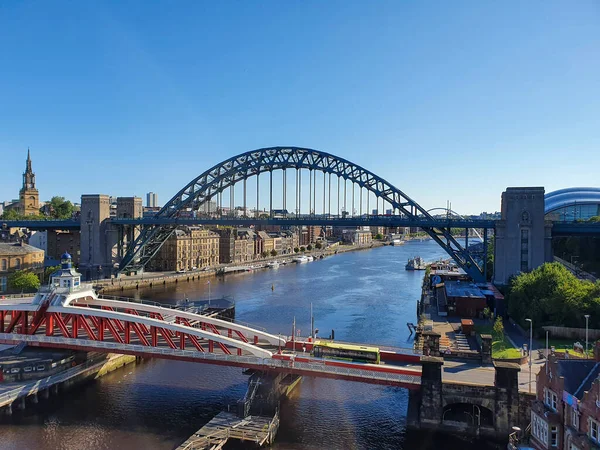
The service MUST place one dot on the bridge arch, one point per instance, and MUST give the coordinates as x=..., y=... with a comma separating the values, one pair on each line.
x=252, y=163
x=469, y=413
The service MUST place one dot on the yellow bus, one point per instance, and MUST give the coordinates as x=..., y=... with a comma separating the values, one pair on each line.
x=326, y=349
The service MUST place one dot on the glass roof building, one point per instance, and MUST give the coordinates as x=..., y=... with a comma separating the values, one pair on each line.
x=568, y=205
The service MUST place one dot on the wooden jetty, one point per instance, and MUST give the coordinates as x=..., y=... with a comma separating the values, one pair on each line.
x=214, y=435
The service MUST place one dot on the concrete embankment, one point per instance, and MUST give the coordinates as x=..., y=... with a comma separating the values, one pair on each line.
x=151, y=279
x=20, y=395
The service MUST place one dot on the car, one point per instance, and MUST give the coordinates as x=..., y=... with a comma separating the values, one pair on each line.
x=181, y=271
x=194, y=268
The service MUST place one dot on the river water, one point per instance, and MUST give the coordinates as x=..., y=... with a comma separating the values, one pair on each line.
x=365, y=296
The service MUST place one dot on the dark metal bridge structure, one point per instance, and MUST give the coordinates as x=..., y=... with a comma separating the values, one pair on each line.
x=340, y=193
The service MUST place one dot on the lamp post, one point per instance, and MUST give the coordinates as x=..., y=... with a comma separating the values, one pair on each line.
x=530, y=344
x=587, y=317
x=208, y=292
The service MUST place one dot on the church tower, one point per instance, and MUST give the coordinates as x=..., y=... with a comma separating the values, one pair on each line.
x=29, y=197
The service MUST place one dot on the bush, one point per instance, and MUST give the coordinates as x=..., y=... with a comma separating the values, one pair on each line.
x=302, y=249
x=379, y=236
x=318, y=246
x=309, y=248
x=498, y=329
x=264, y=254
x=296, y=249
x=273, y=252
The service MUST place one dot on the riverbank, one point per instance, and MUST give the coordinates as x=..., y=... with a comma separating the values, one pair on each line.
x=20, y=395
x=152, y=279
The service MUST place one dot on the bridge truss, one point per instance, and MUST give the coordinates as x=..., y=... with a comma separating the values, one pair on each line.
x=210, y=188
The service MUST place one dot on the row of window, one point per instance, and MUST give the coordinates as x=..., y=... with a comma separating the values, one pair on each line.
x=38, y=368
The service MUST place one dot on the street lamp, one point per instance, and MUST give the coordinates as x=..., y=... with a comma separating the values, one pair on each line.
x=208, y=292
x=587, y=317
x=530, y=344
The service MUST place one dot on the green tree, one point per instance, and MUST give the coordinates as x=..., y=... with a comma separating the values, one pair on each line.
x=302, y=249
x=49, y=271
x=60, y=208
x=296, y=249
x=318, y=245
x=552, y=295
x=498, y=328
x=13, y=214
x=273, y=252
x=379, y=236
x=487, y=312
x=264, y=254
x=309, y=247
x=23, y=280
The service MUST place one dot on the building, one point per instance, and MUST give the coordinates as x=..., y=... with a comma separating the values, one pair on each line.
x=264, y=243
x=566, y=412
x=357, y=237
x=29, y=197
x=152, y=200
x=523, y=236
x=19, y=256
x=61, y=242
x=463, y=299
x=188, y=248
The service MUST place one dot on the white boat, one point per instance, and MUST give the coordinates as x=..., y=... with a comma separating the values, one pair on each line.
x=310, y=258
x=300, y=259
x=397, y=242
x=273, y=265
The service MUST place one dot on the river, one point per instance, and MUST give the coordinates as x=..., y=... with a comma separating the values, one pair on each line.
x=365, y=296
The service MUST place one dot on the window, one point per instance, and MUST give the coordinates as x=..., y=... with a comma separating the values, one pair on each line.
x=524, y=250
x=594, y=427
x=554, y=437
x=575, y=418
x=18, y=263
x=4, y=266
x=539, y=428
x=550, y=399
x=2, y=284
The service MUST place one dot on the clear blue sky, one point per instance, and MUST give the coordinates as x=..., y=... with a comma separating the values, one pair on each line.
x=446, y=100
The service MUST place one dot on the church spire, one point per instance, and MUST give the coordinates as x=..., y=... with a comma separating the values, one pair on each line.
x=28, y=168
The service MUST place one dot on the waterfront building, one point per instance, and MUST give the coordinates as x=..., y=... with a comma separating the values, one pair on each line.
x=19, y=256
x=29, y=197
x=566, y=412
x=357, y=236
x=264, y=243
x=60, y=242
x=151, y=200
x=188, y=248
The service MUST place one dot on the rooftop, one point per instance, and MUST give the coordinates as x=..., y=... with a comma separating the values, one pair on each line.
x=458, y=289
x=578, y=374
x=16, y=248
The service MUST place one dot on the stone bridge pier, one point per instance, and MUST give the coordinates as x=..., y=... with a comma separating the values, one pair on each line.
x=467, y=408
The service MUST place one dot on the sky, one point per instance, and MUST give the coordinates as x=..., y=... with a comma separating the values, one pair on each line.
x=445, y=100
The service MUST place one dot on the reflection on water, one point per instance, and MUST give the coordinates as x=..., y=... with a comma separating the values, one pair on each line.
x=364, y=296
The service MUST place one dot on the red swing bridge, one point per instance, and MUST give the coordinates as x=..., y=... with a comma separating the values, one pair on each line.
x=71, y=315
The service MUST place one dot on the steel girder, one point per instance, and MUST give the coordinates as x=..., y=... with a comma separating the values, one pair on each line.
x=223, y=175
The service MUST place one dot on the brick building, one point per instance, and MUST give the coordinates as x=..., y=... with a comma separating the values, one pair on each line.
x=566, y=412
x=188, y=248
x=19, y=256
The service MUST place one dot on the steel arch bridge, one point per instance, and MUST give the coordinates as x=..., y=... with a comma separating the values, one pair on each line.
x=211, y=184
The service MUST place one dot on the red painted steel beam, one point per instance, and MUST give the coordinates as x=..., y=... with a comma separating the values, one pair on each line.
x=241, y=335
x=61, y=325
x=15, y=316
x=2, y=314
x=140, y=333
x=167, y=337
x=195, y=342
x=110, y=327
x=86, y=326
x=49, y=324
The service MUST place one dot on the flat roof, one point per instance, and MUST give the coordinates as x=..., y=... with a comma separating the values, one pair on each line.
x=462, y=289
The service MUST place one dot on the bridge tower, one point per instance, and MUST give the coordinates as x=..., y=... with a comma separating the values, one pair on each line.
x=523, y=236
x=95, y=261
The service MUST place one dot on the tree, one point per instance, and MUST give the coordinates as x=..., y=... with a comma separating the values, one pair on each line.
x=552, y=295
x=302, y=249
x=14, y=214
x=23, y=280
x=318, y=245
x=379, y=236
x=309, y=248
x=60, y=208
x=273, y=252
x=498, y=328
x=49, y=271
x=264, y=254
x=296, y=249
x=486, y=312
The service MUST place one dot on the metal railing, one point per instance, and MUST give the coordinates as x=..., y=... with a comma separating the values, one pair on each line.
x=39, y=385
